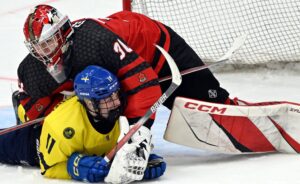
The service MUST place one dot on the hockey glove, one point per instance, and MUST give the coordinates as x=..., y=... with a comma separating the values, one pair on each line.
x=131, y=160
x=87, y=168
x=155, y=168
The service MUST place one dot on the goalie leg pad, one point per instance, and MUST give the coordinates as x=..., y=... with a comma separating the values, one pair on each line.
x=256, y=127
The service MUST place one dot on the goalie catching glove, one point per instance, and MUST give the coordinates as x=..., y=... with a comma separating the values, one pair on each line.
x=131, y=160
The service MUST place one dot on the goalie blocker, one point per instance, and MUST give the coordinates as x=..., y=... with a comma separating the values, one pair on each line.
x=242, y=128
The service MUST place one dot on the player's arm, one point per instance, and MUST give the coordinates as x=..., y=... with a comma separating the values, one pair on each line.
x=137, y=77
x=60, y=145
x=58, y=160
x=53, y=153
x=29, y=107
x=34, y=78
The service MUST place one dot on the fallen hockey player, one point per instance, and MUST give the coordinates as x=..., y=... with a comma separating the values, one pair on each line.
x=74, y=137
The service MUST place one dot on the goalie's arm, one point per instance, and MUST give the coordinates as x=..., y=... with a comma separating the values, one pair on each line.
x=138, y=79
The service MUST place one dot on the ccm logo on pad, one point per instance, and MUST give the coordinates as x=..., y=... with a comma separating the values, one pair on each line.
x=204, y=108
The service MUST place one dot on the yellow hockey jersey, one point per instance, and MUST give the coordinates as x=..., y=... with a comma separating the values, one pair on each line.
x=67, y=130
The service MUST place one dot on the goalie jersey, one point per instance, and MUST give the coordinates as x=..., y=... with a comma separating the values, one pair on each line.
x=67, y=130
x=94, y=43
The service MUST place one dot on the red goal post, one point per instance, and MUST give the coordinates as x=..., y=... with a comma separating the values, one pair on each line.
x=127, y=5
x=272, y=26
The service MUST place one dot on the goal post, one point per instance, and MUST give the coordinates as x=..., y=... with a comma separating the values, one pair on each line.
x=127, y=5
x=272, y=26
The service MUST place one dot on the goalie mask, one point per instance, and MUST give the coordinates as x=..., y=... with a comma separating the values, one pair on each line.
x=99, y=91
x=46, y=32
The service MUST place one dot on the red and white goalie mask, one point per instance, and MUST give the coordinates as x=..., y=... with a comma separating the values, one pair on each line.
x=46, y=32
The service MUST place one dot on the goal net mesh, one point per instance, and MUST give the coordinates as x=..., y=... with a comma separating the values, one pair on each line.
x=210, y=27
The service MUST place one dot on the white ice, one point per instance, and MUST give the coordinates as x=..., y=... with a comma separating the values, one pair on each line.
x=185, y=165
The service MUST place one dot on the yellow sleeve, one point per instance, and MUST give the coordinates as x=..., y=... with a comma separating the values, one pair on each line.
x=22, y=114
x=60, y=137
x=53, y=160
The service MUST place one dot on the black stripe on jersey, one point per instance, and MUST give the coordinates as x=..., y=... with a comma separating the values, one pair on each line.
x=48, y=138
x=34, y=103
x=135, y=70
x=51, y=145
x=130, y=57
x=43, y=162
x=153, y=82
x=29, y=104
x=157, y=53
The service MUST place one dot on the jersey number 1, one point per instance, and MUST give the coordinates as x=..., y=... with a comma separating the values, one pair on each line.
x=50, y=143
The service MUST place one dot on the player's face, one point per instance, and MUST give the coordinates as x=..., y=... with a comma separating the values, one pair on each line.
x=110, y=103
x=104, y=105
x=46, y=49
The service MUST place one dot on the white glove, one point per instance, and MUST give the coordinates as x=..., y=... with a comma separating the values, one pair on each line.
x=124, y=127
x=131, y=160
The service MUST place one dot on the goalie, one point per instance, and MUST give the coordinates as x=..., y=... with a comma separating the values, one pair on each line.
x=123, y=43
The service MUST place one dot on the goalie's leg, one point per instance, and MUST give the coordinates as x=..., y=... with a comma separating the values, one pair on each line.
x=200, y=85
x=240, y=128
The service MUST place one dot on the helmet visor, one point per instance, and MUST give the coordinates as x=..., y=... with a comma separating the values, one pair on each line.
x=46, y=49
x=49, y=51
x=104, y=106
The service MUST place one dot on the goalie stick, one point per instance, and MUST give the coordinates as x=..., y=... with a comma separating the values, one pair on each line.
x=238, y=42
x=176, y=81
x=16, y=127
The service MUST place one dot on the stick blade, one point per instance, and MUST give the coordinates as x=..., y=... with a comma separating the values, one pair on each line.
x=238, y=42
x=176, y=76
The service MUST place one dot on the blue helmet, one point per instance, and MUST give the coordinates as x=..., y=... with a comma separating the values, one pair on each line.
x=95, y=82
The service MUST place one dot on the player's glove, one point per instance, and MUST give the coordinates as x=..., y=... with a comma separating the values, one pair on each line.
x=87, y=168
x=155, y=168
x=131, y=160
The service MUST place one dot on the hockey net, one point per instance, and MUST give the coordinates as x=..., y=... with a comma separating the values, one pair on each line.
x=272, y=27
